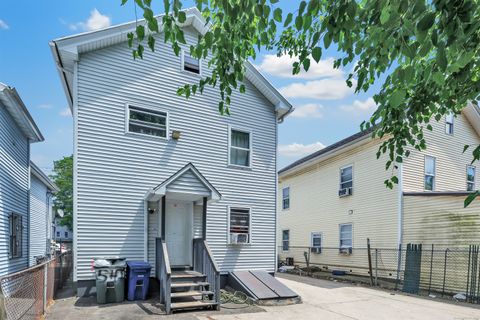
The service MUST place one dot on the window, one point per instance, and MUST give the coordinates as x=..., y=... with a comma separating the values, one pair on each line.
x=146, y=121
x=15, y=229
x=346, y=238
x=316, y=246
x=286, y=198
x=285, y=240
x=66, y=234
x=239, y=225
x=429, y=173
x=240, y=148
x=190, y=63
x=449, y=123
x=470, y=178
x=346, y=181
x=58, y=234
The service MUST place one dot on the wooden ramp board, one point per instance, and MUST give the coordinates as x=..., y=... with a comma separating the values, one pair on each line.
x=273, y=284
x=262, y=286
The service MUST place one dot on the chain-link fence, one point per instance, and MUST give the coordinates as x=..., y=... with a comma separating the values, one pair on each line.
x=418, y=269
x=27, y=294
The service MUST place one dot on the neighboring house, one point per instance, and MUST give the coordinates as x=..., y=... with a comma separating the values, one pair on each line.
x=17, y=131
x=42, y=190
x=336, y=197
x=151, y=164
x=61, y=233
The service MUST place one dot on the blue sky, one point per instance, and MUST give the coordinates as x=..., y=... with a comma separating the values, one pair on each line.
x=327, y=110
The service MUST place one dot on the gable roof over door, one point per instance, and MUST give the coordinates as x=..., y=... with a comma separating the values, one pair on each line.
x=66, y=51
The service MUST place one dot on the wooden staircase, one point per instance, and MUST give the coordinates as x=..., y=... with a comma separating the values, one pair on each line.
x=188, y=289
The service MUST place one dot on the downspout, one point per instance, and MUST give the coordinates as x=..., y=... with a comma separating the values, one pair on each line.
x=28, y=205
x=400, y=206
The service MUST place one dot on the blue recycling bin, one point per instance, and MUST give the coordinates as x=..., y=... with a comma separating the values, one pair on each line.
x=138, y=273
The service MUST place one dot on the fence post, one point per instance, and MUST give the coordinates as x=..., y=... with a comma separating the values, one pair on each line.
x=444, y=272
x=399, y=265
x=370, y=271
x=45, y=282
x=376, y=267
x=431, y=268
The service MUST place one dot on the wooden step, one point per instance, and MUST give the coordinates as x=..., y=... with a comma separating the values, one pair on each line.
x=192, y=304
x=186, y=275
x=190, y=294
x=189, y=284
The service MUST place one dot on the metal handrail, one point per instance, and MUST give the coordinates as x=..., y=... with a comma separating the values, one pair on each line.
x=164, y=273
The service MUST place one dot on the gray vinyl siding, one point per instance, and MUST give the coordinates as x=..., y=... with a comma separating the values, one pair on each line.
x=14, y=180
x=38, y=219
x=115, y=169
x=188, y=183
x=153, y=232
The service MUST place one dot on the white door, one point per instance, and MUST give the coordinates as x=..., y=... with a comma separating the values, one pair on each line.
x=178, y=232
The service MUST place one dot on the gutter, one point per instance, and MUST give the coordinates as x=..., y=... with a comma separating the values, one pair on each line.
x=62, y=70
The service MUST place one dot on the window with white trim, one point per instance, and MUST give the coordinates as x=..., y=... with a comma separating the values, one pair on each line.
x=346, y=181
x=449, y=123
x=239, y=226
x=286, y=198
x=471, y=178
x=190, y=63
x=240, y=148
x=429, y=179
x=16, y=235
x=285, y=240
x=147, y=121
x=346, y=236
x=316, y=242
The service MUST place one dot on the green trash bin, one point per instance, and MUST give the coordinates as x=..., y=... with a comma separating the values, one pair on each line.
x=110, y=279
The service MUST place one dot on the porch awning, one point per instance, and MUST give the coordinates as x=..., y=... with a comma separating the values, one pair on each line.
x=188, y=183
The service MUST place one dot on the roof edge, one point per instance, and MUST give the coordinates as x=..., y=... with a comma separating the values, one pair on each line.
x=40, y=175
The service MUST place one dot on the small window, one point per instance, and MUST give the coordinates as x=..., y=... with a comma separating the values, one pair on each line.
x=316, y=245
x=346, y=181
x=449, y=123
x=146, y=121
x=240, y=148
x=16, y=231
x=66, y=234
x=286, y=198
x=346, y=236
x=285, y=240
x=429, y=183
x=190, y=63
x=58, y=234
x=470, y=178
x=239, y=225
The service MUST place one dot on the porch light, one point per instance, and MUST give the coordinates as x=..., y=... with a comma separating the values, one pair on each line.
x=176, y=134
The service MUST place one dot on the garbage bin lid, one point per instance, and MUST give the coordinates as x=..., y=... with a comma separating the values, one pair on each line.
x=138, y=264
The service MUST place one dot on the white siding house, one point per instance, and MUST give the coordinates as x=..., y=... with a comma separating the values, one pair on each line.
x=133, y=184
x=339, y=193
x=17, y=131
x=41, y=216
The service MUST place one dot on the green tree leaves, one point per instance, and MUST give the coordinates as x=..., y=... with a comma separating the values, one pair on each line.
x=62, y=176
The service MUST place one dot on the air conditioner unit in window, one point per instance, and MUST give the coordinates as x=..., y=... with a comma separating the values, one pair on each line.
x=238, y=238
x=316, y=250
x=345, y=250
x=345, y=192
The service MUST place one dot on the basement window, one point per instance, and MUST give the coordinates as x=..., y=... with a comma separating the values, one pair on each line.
x=147, y=121
x=239, y=226
x=470, y=178
x=190, y=63
x=15, y=233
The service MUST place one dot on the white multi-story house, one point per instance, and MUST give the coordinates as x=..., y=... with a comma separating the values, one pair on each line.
x=154, y=168
x=336, y=197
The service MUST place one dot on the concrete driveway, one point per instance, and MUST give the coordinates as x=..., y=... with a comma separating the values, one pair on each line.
x=322, y=299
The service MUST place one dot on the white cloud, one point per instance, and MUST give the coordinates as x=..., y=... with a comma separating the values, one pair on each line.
x=282, y=67
x=45, y=106
x=298, y=149
x=66, y=112
x=360, y=107
x=309, y=110
x=4, y=25
x=325, y=89
x=95, y=21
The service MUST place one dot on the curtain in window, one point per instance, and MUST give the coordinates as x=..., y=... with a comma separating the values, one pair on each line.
x=240, y=148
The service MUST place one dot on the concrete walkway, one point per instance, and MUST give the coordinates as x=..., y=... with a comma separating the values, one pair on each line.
x=322, y=299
